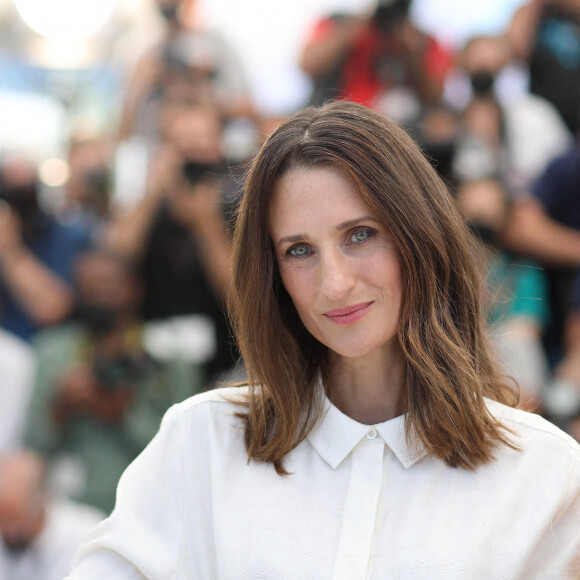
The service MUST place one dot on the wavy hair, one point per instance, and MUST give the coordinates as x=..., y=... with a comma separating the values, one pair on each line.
x=449, y=368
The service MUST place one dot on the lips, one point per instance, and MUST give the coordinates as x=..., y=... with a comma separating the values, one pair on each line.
x=348, y=314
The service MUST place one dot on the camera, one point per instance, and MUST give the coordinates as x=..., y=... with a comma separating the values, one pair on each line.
x=124, y=370
x=173, y=58
x=194, y=171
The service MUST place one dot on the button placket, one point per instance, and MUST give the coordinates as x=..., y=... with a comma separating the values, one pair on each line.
x=360, y=510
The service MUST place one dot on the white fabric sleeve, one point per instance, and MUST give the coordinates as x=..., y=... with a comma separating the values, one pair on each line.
x=558, y=554
x=142, y=537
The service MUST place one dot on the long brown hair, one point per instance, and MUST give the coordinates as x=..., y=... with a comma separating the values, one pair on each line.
x=449, y=367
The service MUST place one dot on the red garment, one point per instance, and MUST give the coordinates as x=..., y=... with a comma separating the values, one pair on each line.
x=377, y=62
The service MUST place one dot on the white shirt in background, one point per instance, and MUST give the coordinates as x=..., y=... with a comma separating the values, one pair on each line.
x=17, y=367
x=49, y=557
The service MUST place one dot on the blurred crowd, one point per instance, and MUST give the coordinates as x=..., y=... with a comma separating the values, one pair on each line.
x=112, y=301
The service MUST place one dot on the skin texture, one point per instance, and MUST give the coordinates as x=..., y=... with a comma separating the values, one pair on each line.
x=343, y=273
x=21, y=497
x=103, y=282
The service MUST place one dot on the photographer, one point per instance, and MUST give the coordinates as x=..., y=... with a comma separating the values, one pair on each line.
x=36, y=253
x=380, y=60
x=87, y=194
x=98, y=394
x=39, y=533
x=178, y=231
x=188, y=55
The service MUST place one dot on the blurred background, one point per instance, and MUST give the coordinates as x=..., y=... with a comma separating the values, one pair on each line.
x=80, y=57
x=126, y=127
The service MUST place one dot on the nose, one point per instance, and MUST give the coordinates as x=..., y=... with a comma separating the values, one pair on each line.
x=337, y=276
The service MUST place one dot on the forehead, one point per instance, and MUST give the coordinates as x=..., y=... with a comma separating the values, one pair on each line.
x=308, y=198
x=314, y=203
x=317, y=185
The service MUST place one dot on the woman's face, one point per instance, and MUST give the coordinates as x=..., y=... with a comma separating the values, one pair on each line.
x=337, y=262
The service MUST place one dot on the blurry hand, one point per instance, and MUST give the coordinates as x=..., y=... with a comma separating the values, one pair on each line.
x=75, y=391
x=197, y=206
x=410, y=37
x=148, y=73
x=165, y=171
x=10, y=230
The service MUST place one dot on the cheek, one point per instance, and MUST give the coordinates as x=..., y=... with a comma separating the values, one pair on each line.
x=299, y=285
x=385, y=272
x=393, y=278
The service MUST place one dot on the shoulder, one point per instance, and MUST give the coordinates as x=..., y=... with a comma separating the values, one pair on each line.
x=537, y=437
x=206, y=428
x=528, y=104
x=57, y=337
x=230, y=397
x=64, y=231
x=327, y=24
x=559, y=179
x=14, y=349
x=60, y=244
x=221, y=404
x=67, y=523
x=568, y=162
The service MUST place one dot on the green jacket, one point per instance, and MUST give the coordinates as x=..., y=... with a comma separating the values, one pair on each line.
x=102, y=449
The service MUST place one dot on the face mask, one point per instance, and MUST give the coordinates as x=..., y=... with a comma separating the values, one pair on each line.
x=441, y=155
x=482, y=83
x=170, y=13
x=97, y=318
x=194, y=171
x=23, y=199
x=389, y=13
x=17, y=547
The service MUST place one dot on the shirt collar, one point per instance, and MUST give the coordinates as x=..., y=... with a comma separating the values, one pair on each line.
x=335, y=435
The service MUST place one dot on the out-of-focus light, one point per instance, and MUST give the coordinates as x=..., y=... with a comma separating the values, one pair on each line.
x=65, y=19
x=54, y=172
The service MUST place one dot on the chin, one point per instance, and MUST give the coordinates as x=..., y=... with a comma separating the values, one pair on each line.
x=352, y=351
x=358, y=349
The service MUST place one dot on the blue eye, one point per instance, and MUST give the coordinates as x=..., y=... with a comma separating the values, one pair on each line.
x=298, y=251
x=361, y=235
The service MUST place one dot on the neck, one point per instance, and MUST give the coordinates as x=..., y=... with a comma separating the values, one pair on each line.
x=368, y=390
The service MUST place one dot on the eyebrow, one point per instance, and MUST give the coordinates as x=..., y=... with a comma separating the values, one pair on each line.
x=339, y=228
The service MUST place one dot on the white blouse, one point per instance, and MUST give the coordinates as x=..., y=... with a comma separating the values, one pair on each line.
x=359, y=504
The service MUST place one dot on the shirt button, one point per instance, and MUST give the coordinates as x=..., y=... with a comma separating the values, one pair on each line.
x=372, y=433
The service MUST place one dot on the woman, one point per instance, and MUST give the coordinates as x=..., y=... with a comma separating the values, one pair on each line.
x=371, y=440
